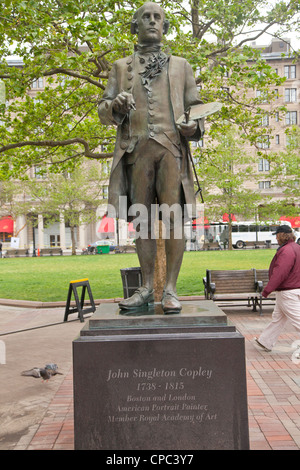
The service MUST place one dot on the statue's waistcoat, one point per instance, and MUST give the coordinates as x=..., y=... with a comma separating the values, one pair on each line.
x=153, y=117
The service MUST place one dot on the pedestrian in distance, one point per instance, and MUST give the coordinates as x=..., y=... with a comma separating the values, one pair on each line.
x=284, y=280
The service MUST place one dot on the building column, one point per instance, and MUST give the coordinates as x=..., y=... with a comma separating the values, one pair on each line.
x=82, y=242
x=123, y=232
x=62, y=232
x=21, y=231
x=40, y=240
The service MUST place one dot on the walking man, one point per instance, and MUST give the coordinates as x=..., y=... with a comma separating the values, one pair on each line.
x=284, y=279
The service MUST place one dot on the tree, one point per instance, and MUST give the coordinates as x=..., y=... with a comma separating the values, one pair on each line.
x=225, y=166
x=74, y=196
x=73, y=43
x=285, y=174
x=11, y=200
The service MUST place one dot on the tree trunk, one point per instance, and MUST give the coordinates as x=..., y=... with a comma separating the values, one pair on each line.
x=229, y=235
x=195, y=18
x=72, y=227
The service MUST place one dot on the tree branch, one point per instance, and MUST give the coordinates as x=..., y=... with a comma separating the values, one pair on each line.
x=76, y=75
x=60, y=143
x=258, y=35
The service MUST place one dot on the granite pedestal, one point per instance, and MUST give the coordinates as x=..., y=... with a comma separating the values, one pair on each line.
x=149, y=381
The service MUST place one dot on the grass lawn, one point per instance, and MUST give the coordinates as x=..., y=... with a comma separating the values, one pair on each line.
x=47, y=278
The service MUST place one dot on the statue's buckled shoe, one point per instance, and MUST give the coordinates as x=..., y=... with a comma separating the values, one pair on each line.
x=141, y=297
x=170, y=302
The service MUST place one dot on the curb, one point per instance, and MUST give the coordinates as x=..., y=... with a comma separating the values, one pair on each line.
x=36, y=304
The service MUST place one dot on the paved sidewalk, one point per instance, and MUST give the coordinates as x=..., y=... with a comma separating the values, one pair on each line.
x=36, y=415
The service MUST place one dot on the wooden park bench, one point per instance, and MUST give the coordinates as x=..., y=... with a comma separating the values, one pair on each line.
x=50, y=251
x=256, y=244
x=127, y=249
x=233, y=285
x=211, y=246
x=12, y=253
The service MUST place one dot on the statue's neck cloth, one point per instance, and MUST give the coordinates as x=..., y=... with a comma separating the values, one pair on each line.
x=144, y=49
x=155, y=63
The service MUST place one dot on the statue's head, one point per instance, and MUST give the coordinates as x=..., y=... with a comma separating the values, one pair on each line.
x=149, y=23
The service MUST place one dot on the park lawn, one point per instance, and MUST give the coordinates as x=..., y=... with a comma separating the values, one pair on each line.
x=46, y=279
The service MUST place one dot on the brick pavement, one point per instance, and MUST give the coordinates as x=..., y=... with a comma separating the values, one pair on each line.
x=273, y=382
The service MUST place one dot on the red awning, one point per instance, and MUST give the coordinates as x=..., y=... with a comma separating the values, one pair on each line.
x=130, y=227
x=200, y=221
x=7, y=225
x=295, y=221
x=107, y=225
x=226, y=218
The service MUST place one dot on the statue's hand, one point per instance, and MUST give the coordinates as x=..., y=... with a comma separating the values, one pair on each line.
x=187, y=129
x=123, y=103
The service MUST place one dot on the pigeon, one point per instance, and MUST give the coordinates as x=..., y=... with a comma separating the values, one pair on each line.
x=52, y=369
x=42, y=372
x=37, y=373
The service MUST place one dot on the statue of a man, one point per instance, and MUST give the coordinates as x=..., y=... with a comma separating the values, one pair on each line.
x=145, y=95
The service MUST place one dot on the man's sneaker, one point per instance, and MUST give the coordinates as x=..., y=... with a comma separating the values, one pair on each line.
x=262, y=346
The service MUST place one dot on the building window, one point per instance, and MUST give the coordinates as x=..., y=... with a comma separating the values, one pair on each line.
x=61, y=80
x=277, y=139
x=39, y=83
x=39, y=173
x=198, y=72
x=225, y=92
x=265, y=120
x=290, y=95
x=277, y=117
x=54, y=240
x=289, y=141
x=263, y=142
x=225, y=70
x=105, y=192
x=290, y=71
x=261, y=96
x=195, y=144
x=106, y=167
x=291, y=118
x=264, y=184
x=263, y=165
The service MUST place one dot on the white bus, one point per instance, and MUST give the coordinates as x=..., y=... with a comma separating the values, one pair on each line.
x=245, y=232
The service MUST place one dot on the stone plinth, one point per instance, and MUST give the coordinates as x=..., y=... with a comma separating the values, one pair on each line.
x=150, y=381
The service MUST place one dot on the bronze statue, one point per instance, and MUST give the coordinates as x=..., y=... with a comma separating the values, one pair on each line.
x=146, y=94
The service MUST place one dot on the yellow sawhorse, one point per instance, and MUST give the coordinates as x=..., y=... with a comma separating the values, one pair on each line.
x=84, y=283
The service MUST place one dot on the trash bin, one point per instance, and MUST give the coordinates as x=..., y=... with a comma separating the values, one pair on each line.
x=268, y=243
x=102, y=249
x=132, y=280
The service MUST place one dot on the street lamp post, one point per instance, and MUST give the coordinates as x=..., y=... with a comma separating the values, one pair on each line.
x=33, y=238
